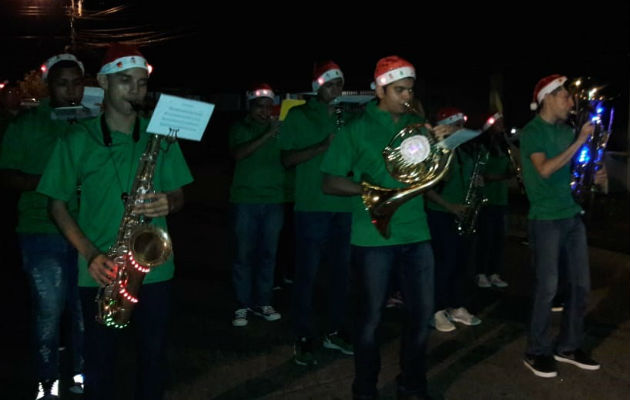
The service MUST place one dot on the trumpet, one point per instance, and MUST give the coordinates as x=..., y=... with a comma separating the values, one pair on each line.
x=412, y=157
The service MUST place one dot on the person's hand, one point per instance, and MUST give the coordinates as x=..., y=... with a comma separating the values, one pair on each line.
x=441, y=131
x=153, y=205
x=102, y=269
x=586, y=132
x=459, y=210
x=601, y=179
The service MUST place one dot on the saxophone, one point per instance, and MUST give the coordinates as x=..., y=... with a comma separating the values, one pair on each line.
x=466, y=225
x=139, y=246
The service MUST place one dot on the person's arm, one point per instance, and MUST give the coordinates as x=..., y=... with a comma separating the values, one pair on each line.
x=248, y=148
x=160, y=204
x=547, y=166
x=457, y=209
x=101, y=268
x=340, y=186
x=291, y=158
x=18, y=180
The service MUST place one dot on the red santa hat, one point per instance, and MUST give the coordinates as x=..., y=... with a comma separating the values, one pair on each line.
x=260, y=90
x=391, y=69
x=545, y=86
x=325, y=72
x=121, y=57
x=450, y=115
x=46, y=66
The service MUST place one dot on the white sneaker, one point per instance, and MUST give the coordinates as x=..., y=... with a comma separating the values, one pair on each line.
x=442, y=323
x=462, y=316
x=267, y=312
x=77, y=384
x=496, y=280
x=48, y=390
x=482, y=281
x=240, y=317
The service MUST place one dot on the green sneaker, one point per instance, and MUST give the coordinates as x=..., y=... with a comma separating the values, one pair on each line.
x=334, y=342
x=303, y=352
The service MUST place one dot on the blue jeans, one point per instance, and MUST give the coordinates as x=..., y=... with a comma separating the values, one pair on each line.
x=256, y=230
x=51, y=265
x=374, y=265
x=149, y=324
x=321, y=235
x=550, y=242
x=492, y=232
x=451, y=256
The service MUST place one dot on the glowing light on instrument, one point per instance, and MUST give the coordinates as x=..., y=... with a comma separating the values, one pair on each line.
x=513, y=131
x=584, y=155
x=124, y=293
x=135, y=264
x=149, y=68
x=599, y=110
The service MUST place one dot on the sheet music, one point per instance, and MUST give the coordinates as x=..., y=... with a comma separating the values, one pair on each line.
x=459, y=137
x=183, y=117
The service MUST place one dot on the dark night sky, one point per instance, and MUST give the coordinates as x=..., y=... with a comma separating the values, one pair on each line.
x=454, y=48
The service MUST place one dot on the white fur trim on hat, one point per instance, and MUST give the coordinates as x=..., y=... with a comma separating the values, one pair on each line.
x=254, y=94
x=551, y=86
x=45, y=68
x=124, y=63
x=452, y=119
x=395, y=75
x=326, y=77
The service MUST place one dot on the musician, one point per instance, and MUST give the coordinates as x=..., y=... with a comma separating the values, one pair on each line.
x=358, y=148
x=444, y=208
x=102, y=155
x=322, y=221
x=491, y=222
x=47, y=258
x=555, y=228
x=257, y=196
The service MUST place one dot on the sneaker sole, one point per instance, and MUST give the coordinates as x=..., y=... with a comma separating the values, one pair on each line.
x=332, y=346
x=539, y=373
x=304, y=364
x=270, y=319
x=577, y=364
x=239, y=324
x=450, y=329
x=464, y=322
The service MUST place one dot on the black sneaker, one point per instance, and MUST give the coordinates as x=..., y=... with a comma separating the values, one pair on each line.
x=303, y=352
x=578, y=358
x=543, y=366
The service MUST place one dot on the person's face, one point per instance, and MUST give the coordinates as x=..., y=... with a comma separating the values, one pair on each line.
x=66, y=87
x=330, y=90
x=393, y=96
x=125, y=88
x=261, y=109
x=559, y=103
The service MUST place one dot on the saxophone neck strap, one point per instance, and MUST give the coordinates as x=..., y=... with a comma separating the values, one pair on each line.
x=107, y=134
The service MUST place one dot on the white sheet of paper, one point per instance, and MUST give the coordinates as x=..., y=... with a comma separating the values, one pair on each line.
x=459, y=137
x=93, y=98
x=184, y=117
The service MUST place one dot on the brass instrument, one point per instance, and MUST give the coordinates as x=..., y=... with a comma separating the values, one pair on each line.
x=139, y=246
x=467, y=224
x=590, y=106
x=413, y=157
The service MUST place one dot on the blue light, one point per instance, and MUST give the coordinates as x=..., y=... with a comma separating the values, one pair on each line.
x=599, y=110
x=584, y=155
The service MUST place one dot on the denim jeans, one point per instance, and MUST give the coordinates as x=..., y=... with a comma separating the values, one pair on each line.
x=51, y=265
x=491, y=239
x=550, y=242
x=149, y=324
x=414, y=263
x=256, y=230
x=451, y=256
x=321, y=235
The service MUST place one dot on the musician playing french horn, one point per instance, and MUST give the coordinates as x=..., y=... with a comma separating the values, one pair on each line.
x=447, y=213
x=358, y=148
x=102, y=155
x=555, y=227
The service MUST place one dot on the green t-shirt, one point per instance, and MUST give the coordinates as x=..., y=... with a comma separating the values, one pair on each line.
x=455, y=185
x=104, y=173
x=358, y=148
x=497, y=191
x=549, y=198
x=305, y=126
x=259, y=178
x=27, y=144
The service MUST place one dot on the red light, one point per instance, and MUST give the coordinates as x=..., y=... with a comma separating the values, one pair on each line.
x=43, y=68
x=149, y=68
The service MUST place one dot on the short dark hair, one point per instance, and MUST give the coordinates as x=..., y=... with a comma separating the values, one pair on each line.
x=64, y=64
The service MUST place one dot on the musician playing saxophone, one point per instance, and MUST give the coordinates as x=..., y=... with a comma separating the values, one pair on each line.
x=556, y=230
x=48, y=259
x=358, y=148
x=102, y=155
